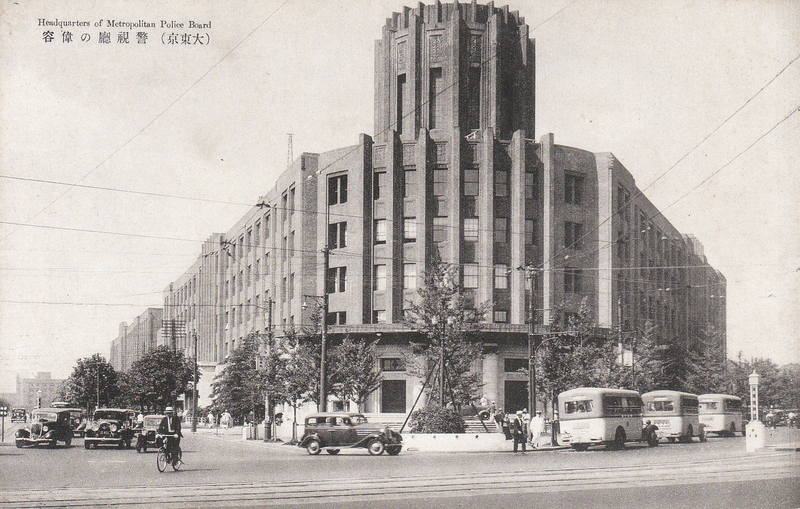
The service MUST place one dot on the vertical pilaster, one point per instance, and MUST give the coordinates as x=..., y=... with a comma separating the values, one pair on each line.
x=517, y=233
x=486, y=219
x=548, y=225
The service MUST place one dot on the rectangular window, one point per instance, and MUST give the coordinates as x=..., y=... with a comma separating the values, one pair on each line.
x=530, y=232
x=379, y=284
x=337, y=189
x=515, y=365
x=470, y=277
x=439, y=229
x=409, y=229
x=501, y=230
x=471, y=229
x=401, y=94
x=380, y=231
x=572, y=235
x=291, y=243
x=337, y=235
x=500, y=316
x=572, y=280
x=284, y=243
x=471, y=182
x=501, y=183
x=440, y=182
x=285, y=203
x=257, y=234
x=436, y=104
x=409, y=182
x=392, y=364
x=266, y=228
x=379, y=185
x=291, y=286
x=531, y=187
x=337, y=280
x=291, y=201
x=240, y=252
x=474, y=98
x=248, y=240
x=501, y=276
x=337, y=318
x=379, y=316
x=247, y=311
x=409, y=276
x=283, y=290
x=257, y=271
x=573, y=188
x=266, y=264
x=247, y=274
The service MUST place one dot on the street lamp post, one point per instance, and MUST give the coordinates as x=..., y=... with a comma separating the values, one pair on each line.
x=195, y=392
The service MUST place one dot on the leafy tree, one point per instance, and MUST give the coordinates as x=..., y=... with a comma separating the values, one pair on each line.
x=434, y=419
x=82, y=386
x=449, y=324
x=156, y=380
x=353, y=373
x=300, y=373
x=239, y=389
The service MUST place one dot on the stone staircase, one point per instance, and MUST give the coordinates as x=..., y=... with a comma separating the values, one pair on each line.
x=395, y=421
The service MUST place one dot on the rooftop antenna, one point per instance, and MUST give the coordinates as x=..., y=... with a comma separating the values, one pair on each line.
x=289, y=155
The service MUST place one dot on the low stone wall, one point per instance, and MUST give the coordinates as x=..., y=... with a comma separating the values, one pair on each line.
x=456, y=442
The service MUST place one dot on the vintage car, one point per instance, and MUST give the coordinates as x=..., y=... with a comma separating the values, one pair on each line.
x=48, y=426
x=147, y=435
x=19, y=415
x=332, y=431
x=110, y=426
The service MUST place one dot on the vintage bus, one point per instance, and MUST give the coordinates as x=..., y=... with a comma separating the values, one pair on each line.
x=721, y=414
x=592, y=416
x=674, y=413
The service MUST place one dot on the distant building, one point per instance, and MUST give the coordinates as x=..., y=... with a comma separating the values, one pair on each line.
x=28, y=391
x=453, y=169
x=137, y=339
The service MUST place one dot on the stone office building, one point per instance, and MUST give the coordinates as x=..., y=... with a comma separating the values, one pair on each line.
x=453, y=168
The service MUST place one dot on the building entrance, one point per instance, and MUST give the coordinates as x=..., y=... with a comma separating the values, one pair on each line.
x=393, y=396
x=516, y=396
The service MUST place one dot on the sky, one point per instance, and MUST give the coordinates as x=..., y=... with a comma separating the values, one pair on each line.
x=698, y=100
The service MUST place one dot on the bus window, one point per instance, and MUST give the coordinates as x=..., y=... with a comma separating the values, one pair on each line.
x=708, y=406
x=732, y=405
x=580, y=406
x=660, y=406
x=689, y=405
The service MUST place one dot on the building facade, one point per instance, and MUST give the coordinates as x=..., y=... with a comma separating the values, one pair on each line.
x=137, y=339
x=453, y=170
x=37, y=392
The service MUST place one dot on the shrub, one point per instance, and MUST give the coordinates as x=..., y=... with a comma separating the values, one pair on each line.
x=436, y=420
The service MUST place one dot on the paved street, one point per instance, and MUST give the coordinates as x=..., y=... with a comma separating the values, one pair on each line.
x=224, y=471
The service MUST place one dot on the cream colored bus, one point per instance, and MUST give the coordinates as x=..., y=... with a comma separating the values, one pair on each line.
x=721, y=414
x=674, y=413
x=593, y=416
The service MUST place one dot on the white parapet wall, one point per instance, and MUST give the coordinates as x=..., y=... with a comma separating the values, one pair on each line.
x=456, y=442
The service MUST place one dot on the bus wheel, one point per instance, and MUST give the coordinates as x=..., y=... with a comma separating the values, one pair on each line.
x=619, y=440
x=671, y=440
x=688, y=436
x=733, y=429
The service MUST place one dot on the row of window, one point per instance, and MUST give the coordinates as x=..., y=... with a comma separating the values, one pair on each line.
x=470, y=180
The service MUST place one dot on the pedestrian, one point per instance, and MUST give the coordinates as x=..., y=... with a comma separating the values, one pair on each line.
x=519, y=431
x=226, y=420
x=140, y=420
x=536, y=427
x=211, y=419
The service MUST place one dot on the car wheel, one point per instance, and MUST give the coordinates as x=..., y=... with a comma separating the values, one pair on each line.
x=332, y=452
x=19, y=444
x=68, y=440
x=127, y=443
x=121, y=443
x=53, y=444
x=313, y=447
x=393, y=450
x=376, y=447
x=580, y=447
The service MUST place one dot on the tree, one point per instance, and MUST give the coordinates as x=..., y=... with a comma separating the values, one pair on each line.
x=155, y=381
x=239, y=387
x=449, y=324
x=300, y=372
x=353, y=373
x=83, y=387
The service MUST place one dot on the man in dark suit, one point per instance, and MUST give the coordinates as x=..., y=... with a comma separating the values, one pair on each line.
x=171, y=425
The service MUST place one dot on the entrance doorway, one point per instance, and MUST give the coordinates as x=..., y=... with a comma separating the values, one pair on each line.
x=516, y=396
x=393, y=396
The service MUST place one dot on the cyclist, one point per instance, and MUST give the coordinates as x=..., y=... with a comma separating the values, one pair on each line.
x=170, y=429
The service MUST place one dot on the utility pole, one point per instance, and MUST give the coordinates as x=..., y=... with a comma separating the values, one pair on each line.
x=195, y=392
x=323, y=361
x=531, y=273
x=268, y=410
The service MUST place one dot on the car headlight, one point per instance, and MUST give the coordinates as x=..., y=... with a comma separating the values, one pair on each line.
x=45, y=428
x=113, y=428
x=95, y=427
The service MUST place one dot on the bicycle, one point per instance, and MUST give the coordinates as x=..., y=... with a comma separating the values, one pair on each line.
x=166, y=455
